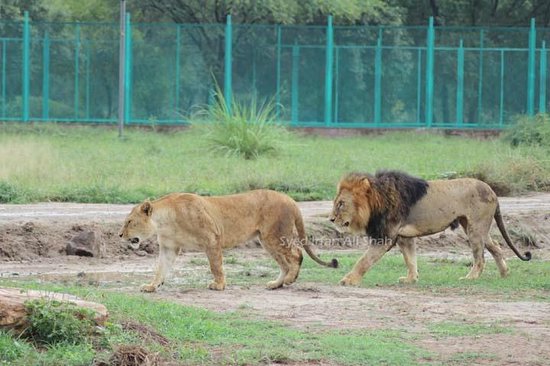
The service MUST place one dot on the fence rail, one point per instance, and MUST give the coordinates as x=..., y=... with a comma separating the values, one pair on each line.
x=318, y=76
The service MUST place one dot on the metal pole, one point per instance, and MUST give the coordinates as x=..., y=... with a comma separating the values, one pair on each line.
x=531, y=69
x=480, y=78
x=378, y=81
x=460, y=85
x=294, y=85
x=278, y=93
x=328, y=71
x=76, y=71
x=430, y=73
x=228, y=64
x=122, y=68
x=46, y=77
x=501, y=101
x=542, y=83
x=26, y=66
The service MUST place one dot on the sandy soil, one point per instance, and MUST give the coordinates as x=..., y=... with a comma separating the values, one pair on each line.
x=33, y=239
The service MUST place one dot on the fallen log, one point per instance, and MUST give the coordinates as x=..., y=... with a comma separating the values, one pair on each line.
x=13, y=313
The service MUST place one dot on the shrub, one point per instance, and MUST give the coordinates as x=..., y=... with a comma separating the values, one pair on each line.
x=55, y=322
x=247, y=130
x=530, y=131
x=8, y=192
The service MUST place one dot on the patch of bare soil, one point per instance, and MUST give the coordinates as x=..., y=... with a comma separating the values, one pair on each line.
x=33, y=240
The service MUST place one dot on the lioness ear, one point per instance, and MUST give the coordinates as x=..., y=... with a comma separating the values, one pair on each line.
x=147, y=208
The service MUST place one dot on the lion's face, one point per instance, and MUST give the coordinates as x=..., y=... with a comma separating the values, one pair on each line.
x=351, y=209
x=138, y=225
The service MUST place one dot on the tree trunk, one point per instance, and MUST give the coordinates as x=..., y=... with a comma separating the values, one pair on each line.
x=13, y=314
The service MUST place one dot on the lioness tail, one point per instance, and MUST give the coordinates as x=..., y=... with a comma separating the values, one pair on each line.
x=303, y=239
x=500, y=223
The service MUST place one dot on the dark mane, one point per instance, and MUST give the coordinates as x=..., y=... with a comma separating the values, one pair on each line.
x=397, y=192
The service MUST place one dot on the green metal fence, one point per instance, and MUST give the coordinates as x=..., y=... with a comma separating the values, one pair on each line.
x=318, y=76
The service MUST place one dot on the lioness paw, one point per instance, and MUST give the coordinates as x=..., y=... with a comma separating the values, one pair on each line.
x=350, y=281
x=272, y=285
x=216, y=286
x=148, y=288
x=407, y=280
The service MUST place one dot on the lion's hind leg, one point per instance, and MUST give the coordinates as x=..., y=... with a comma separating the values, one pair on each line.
x=294, y=259
x=408, y=249
x=215, y=258
x=275, y=248
x=477, y=243
x=494, y=248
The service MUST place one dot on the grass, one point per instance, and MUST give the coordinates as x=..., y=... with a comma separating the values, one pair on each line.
x=49, y=162
x=453, y=329
x=199, y=336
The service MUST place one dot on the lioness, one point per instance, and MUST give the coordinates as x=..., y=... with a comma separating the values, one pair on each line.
x=211, y=224
x=394, y=208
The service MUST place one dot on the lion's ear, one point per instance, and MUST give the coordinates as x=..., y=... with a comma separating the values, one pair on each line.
x=147, y=208
x=366, y=185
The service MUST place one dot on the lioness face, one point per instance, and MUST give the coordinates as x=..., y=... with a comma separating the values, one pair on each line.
x=138, y=226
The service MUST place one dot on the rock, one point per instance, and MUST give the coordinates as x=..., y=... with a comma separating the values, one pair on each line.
x=85, y=244
x=13, y=314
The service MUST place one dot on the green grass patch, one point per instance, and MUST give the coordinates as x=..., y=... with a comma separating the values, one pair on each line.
x=199, y=336
x=49, y=162
x=437, y=274
x=453, y=329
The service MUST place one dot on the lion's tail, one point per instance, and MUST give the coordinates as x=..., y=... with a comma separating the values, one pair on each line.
x=303, y=239
x=498, y=218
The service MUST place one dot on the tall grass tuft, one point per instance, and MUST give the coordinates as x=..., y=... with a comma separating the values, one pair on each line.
x=530, y=131
x=247, y=130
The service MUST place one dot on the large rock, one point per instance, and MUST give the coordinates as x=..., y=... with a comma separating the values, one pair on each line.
x=13, y=314
x=85, y=244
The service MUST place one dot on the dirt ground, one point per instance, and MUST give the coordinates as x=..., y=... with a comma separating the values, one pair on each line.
x=33, y=240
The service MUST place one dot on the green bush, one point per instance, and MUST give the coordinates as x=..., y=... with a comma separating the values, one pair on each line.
x=530, y=131
x=247, y=130
x=55, y=322
x=10, y=348
x=8, y=192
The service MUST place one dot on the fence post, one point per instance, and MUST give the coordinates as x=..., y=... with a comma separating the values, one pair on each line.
x=501, y=102
x=128, y=71
x=480, y=79
x=4, y=77
x=378, y=81
x=430, y=73
x=178, y=50
x=278, y=92
x=294, y=84
x=26, y=66
x=46, y=77
x=328, y=71
x=531, y=69
x=542, y=83
x=87, y=66
x=460, y=85
x=76, y=70
x=228, y=64
x=122, y=68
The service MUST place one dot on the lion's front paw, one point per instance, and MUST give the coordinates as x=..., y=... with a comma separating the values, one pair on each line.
x=217, y=286
x=272, y=285
x=408, y=280
x=148, y=288
x=350, y=280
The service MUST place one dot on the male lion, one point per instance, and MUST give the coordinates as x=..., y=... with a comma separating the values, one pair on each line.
x=188, y=221
x=394, y=208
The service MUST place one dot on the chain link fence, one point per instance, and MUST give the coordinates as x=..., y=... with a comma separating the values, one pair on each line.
x=318, y=76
